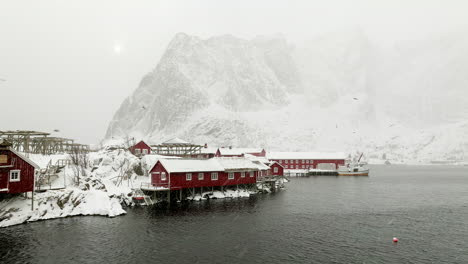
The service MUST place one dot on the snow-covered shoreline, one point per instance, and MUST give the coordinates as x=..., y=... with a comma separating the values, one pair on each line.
x=100, y=187
x=59, y=204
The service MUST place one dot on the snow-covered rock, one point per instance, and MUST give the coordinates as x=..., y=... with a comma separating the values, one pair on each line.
x=337, y=92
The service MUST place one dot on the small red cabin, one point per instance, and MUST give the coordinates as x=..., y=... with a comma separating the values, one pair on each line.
x=276, y=169
x=140, y=148
x=176, y=174
x=17, y=173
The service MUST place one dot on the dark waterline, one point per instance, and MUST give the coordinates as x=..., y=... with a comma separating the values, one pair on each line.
x=316, y=220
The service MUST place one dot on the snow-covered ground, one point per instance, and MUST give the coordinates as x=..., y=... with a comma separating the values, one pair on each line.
x=100, y=188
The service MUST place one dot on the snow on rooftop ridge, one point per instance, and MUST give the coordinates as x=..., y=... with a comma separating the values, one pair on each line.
x=211, y=165
x=236, y=163
x=239, y=151
x=251, y=157
x=191, y=165
x=208, y=150
x=306, y=155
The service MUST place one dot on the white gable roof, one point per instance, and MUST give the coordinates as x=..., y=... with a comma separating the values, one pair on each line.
x=239, y=151
x=191, y=165
x=208, y=150
x=306, y=155
x=236, y=163
x=207, y=165
x=25, y=158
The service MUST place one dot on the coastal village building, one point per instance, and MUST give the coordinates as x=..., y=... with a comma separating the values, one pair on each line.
x=17, y=172
x=301, y=162
x=239, y=152
x=275, y=169
x=177, y=174
x=140, y=149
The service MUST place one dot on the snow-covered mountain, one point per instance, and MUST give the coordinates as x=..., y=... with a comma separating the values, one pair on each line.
x=338, y=91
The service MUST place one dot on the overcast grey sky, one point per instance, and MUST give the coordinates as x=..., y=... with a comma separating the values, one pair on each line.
x=69, y=64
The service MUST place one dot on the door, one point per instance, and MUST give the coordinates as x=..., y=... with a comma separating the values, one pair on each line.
x=3, y=179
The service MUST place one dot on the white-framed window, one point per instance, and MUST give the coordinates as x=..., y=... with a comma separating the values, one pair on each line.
x=297, y=166
x=287, y=161
x=163, y=176
x=144, y=151
x=297, y=161
x=303, y=166
x=137, y=151
x=188, y=176
x=200, y=176
x=275, y=169
x=214, y=176
x=15, y=175
x=252, y=174
x=286, y=166
x=243, y=174
x=231, y=176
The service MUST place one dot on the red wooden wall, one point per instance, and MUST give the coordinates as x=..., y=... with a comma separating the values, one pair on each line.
x=179, y=181
x=26, y=183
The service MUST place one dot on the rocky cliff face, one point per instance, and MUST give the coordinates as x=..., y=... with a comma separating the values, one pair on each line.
x=337, y=91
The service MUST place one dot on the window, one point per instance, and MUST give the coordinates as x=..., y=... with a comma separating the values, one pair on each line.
x=275, y=169
x=231, y=176
x=145, y=151
x=15, y=175
x=200, y=176
x=188, y=176
x=297, y=161
x=137, y=151
x=287, y=161
x=242, y=174
x=286, y=166
x=303, y=166
x=214, y=176
x=252, y=174
x=297, y=166
x=163, y=176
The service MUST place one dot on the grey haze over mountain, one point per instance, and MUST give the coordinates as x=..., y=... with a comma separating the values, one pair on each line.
x=338, y=91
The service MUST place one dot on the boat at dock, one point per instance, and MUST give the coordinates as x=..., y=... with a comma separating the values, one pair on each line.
x=354, y=169
x=357, y=170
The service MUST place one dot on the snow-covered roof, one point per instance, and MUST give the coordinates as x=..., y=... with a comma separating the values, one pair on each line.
x=208, y=150
x=207, y=165
x=239, y=151
x=251, y=157
x=191, y=165
x=25, y=158
x=150, y=160
x=236, y=163
x=306, y=155
x=176, y=141
x=260, y=165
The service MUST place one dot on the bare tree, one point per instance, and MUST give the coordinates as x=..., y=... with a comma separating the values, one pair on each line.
x=80, y=160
